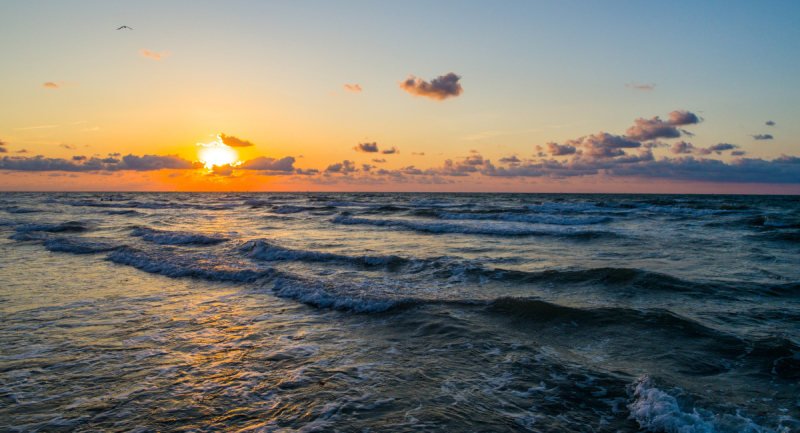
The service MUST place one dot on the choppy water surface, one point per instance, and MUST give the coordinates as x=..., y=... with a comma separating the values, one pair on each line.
x=399, y=312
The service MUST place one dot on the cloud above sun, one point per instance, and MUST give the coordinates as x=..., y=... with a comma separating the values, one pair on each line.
x=438, y=89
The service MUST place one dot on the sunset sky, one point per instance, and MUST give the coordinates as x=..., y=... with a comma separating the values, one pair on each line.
x=412, y=96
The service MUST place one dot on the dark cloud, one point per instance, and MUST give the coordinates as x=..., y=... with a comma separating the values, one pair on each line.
x=366, y=167
x=115, y=154
x=262, y=163
x=762, y=137
x=511, y=160
x=642, y=86
x=650, y=129
x=79, y=158
x=232, y=141
x=439, y=88
x=222, y=170
x=604, y=145
x=343, y=167
x=3, y=149
x=738, y=152
x=683, y=147
x=390, y=151
x=110, y=160
x=556, y=149
x=379, y=161
x=367, y=147
x=770, y=123
x=721, y=147
x=22, y=151
x=128, y=162
x=67, y=146
x=353, y=88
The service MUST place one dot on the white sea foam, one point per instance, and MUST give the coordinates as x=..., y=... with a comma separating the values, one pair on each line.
x=164, y=237
x=527, y=218
x=486, y=229
x=188, y=266
x=79, y=245
x=660, y=411
x=262, y=250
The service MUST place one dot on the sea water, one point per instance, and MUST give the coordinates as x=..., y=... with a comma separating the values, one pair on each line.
x=265, y=312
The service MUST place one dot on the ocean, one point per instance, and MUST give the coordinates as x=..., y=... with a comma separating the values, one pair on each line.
x=399, y=312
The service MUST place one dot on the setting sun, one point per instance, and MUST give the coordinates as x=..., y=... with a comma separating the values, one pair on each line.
x=217, y=155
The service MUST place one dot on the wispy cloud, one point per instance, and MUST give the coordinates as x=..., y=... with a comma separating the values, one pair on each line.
x=57, y=84
x=418, y=153
x=390, y=151
x=763, y=137
x=36, y=127
x=379, y=161
x=126, y=163
x=153, y=55
x=438, y=89
x=67, y=146
x=352, y=88
x=650, y=86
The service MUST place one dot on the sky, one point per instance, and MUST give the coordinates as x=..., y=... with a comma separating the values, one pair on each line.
x=528, y=96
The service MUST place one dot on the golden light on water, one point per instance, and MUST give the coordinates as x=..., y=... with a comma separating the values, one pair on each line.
x=217, y=155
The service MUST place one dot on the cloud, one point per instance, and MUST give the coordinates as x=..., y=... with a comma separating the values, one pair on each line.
x=511, y=160
x=22, y=151
x=366, y=147
x=79, y=158
x=650, y=129
x=3, y=149
x=222, y=170
x=738, y=152
x=379, y=161
x=343, y=167
x=418, y=153
x=556, y=149
x=762, y=137
x=641, y=86
x=604, y=145
x=67, y=146
x=58, y=85
x=682, y=147
x=262, y=163
x=770, y=123
x=154, y=55
x=128, y=162
x=438, y=89
x=366, y=167
x=720, y=147
x=232, y=141
x=115, y=154
x=353, y=88
x=390, y=151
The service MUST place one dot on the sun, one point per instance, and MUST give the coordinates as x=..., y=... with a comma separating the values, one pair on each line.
x=217, y=155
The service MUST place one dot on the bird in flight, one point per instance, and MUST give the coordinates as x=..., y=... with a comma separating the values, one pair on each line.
x=124, y=27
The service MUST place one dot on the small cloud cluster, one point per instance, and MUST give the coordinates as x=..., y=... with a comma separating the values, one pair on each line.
x=353, y=88
x=262, y=163
x=373, y=148
x=343, y=167
x=438, y=89
x=82, y=164
x=651, y=129
x=683, y=147
x=153, y=54
x=762, y=137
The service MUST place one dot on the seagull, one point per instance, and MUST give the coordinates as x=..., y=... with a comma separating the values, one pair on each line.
x=124, y=27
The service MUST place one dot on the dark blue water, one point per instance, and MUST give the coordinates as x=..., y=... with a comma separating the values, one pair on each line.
x=399, y=312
